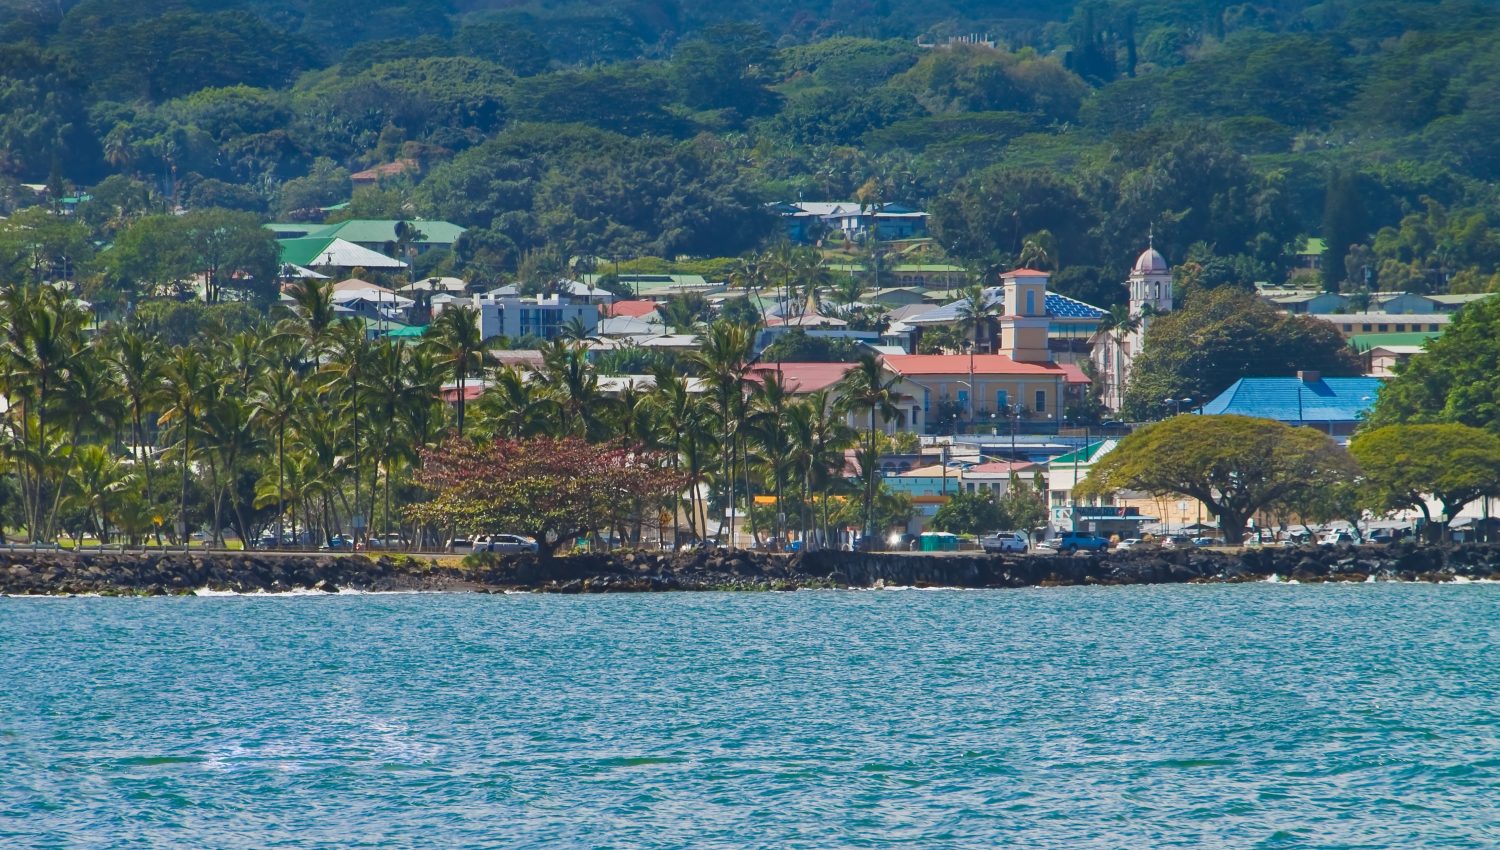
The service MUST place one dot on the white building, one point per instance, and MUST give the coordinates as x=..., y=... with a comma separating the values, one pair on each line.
x=514, y=317
x=1114, y=350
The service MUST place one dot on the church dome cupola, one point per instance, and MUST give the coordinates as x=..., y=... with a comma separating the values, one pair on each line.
x=1152, y=262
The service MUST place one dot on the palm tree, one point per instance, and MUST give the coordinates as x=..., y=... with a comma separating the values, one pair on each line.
x=681, y=418
x=277, y=394
x=312, y=301
x=975, y=312
x=137, y=368
x=574, y=388
x=749, y=274
x=511, y=408
x=346, y=375
x=867, y=388
x=768, y=420
x=725, y=358
x=185, y=378
x=41, y=338
x=456, y=336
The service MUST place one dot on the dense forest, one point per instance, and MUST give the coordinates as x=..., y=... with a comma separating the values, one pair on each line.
x=661, y=128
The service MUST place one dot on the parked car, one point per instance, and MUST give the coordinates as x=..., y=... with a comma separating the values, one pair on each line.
x=1176, y=541
x=1337, y=538
x=388, y=541
x=459, y=545
x=1073, y=541
x=504, y=543
x=1004, y=541
x=1129, y=543
x=338, y=543
x=1207, y=541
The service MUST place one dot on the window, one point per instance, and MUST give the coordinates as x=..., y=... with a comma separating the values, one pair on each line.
x=1400, y=328
x=1365, y=327
x=1002, y=401
x=1031, y=302
x=1432, y=327
x=1060, y=498
x=1384, y=328
x=963, y=400
x=1041, y=400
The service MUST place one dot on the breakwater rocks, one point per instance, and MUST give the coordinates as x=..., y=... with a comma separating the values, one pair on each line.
x=157, y=573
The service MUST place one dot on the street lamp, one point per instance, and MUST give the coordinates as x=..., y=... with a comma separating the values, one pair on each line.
x=1177, y=403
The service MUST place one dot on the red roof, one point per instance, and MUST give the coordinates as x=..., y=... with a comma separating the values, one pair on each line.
x=630, y=309
x=1025, y=273
x=471, y=392
x=803, y=377
x=388, y=169
x=1073, y=375
x=958, y=364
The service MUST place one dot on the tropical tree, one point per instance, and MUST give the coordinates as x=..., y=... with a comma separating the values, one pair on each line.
x=976, y=311
x=1405, y=465
x=867, y=388
x=186, y=392
x=1234, y=465
x=456, y=336
x=724, y=357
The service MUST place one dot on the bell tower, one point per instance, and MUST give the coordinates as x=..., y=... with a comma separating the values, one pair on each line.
x=1023, y=327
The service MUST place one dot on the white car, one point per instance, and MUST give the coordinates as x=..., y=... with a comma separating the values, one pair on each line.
x=1129, y=543
x=504, y=543
x=1004, y=541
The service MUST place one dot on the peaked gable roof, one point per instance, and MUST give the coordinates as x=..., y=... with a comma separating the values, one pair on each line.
x=313, y=252
x=382, y=230
x=1297, y=400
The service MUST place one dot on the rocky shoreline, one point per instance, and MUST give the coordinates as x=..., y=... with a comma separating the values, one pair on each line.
x=161, y=573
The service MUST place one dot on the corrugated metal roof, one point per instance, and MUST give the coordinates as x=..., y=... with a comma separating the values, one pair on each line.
x=1296, y=400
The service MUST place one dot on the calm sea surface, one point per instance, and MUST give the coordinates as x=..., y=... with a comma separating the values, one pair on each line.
x=1265, y=716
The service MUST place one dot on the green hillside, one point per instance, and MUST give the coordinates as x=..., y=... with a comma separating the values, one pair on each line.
x=661, y=128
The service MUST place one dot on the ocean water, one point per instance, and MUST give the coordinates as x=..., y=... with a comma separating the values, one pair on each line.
x=1252, y=716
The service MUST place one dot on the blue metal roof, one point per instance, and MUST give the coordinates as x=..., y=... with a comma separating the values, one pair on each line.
x=1296, y=400
x=1071, y=308
x=1058, y=306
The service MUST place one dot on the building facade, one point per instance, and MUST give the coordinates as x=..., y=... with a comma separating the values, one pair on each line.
x=1113, y=351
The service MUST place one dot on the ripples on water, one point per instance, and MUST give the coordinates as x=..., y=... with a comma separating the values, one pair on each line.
x=1246, y=717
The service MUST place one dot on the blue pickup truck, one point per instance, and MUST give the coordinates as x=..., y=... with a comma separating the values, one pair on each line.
x=1073, y=541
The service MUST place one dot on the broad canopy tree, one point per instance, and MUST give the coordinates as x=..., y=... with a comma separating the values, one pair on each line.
x=1405, y=465
x=1223, y=335
x=551, y=489
x=1235, y=465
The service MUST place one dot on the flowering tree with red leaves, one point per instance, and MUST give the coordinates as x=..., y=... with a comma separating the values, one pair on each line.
x=551, y=489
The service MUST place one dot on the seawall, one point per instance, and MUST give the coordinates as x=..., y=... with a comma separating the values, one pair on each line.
x=157, y=573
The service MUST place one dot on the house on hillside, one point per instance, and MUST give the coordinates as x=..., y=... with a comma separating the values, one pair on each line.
x=385, y=171
x=809, y=221
x=382, y=234
x=336, y=255
x=544, y=317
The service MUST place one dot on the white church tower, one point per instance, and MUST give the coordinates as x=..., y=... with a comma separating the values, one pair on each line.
x=1114, y=351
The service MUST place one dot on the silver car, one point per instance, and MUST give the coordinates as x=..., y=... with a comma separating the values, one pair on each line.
x=504, y=543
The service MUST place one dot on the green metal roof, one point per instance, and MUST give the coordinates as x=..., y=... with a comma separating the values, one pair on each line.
x=409, y=331
x=1315, y=247
x=369, y=231
x=1083, y=456
x=304, y=251
x=1365, y=342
